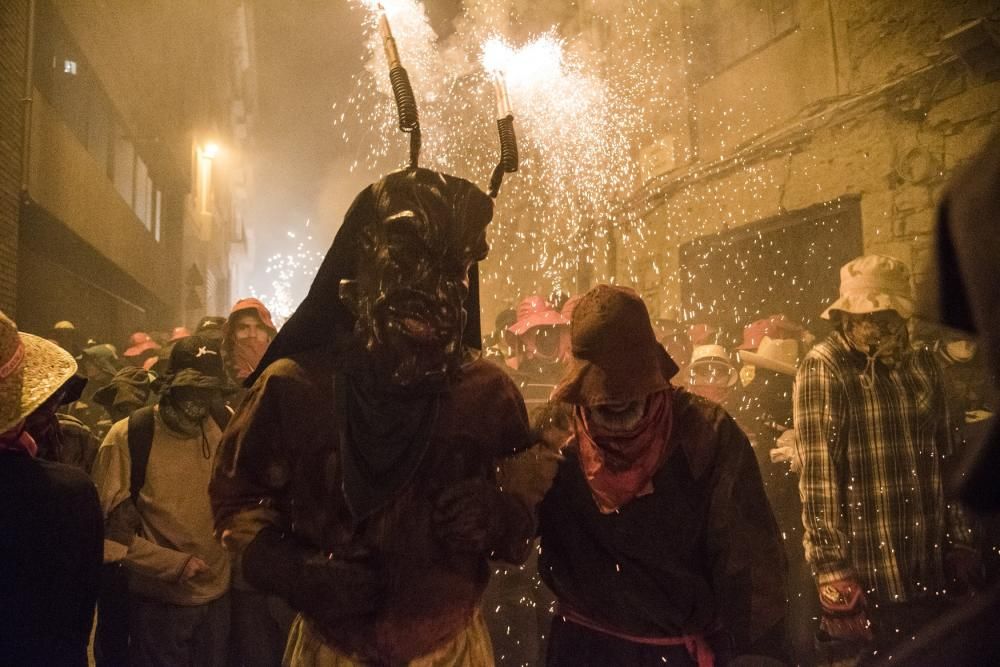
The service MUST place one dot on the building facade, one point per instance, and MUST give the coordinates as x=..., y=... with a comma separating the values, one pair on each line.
x=791, y=136
x=133, y=138
x=816, y=130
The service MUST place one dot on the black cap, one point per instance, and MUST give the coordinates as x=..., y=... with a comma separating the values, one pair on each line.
x=199, y=354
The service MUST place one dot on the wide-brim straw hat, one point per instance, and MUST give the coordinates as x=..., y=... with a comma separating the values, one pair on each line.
x=776, y=354
x=31, y=370
x=873, y=283
x=616, y=358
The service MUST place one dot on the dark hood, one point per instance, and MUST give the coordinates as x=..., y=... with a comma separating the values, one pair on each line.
x=963, y=295
x=322, y=317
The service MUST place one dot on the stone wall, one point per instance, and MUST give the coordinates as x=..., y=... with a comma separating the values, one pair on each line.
x=910, y=115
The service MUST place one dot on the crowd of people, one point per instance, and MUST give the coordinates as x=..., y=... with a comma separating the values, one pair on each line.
x=753, y=377
x=340, y=492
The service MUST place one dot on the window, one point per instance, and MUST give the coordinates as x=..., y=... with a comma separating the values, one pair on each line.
x=99, y=133
x=73, y=90
x=157, y=210
x=140, y=202
x=123, y=172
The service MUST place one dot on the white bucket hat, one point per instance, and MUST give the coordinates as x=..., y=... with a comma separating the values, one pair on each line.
x=776, y=354
x=872, y=283
x=31, y=370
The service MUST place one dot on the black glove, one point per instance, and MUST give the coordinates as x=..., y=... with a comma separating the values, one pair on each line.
x=476, y=517
x=324, y=588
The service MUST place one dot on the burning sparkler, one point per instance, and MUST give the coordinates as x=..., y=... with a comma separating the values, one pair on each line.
x=494, y=54
x=406, y=101
x=582, y=112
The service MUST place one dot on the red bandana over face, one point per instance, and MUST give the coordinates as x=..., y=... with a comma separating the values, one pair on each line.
x=620, y=465
x=248, y=352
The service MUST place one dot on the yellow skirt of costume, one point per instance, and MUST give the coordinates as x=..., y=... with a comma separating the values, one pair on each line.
x=470, y=648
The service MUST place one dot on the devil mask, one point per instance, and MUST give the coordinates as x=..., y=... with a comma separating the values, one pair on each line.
x=412, y=277
x=448, y=218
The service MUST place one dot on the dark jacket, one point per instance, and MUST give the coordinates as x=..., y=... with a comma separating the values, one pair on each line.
x=700, y=554
x=51, y=533
x=280, y=465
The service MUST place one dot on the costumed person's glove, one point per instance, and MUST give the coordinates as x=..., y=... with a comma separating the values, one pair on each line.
x=965, y=567
x=474, y=516
x=322, y=587
x=844, y=611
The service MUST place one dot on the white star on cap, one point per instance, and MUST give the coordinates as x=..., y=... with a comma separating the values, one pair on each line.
x=202, y=351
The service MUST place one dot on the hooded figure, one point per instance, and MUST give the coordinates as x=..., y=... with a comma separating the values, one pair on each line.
x=656, y=536
x=50, y=520
x=357, y=478
x=964, y=295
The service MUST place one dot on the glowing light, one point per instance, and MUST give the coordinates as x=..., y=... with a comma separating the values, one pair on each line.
x=496, y=55
x=211, y=150
x=582, y=115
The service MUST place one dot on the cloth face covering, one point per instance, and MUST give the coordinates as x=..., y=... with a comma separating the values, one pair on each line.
x=619, y=465
x=247, y=353
x=882, y=335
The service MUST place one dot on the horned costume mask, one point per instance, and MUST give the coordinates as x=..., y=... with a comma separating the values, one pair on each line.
x=412, y=278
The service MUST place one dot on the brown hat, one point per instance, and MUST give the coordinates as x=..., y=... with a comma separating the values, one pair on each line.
x=31, y=370
x=615, y=354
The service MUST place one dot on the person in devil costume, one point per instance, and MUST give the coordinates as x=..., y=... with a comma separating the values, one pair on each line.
x=358, y=478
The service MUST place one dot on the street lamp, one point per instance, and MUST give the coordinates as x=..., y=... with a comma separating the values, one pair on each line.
x=206, y=154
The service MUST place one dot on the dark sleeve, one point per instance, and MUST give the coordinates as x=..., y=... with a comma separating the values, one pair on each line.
x=511, y=430
x=252, y=467
x=747, y=560
x=91, y=556
x=511, y=439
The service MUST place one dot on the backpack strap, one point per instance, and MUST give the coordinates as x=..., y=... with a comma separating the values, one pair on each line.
x=141, y=425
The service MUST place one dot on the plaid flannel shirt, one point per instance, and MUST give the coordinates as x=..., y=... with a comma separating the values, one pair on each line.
x=871, y=445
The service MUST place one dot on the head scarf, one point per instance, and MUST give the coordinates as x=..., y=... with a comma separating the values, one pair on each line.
x=619, y=466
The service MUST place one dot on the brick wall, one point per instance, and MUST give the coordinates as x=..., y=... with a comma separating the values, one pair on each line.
x=13, y=47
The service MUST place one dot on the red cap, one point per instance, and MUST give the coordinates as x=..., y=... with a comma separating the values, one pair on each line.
x=534, y=311
x=140, y=342
x=701, y=334
x=775, y=327
x=178, y=333
x=258, y=307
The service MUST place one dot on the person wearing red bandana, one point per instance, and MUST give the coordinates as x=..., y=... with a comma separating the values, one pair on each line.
x=656, y=535
x=50, y=519
x=247, y=334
